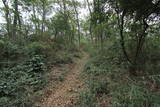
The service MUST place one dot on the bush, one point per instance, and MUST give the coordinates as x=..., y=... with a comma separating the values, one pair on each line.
x=17, y=84
x=2, y=44
x=36, y=64
x=9, y=50
x=36, y=48
x=151, y=55
x=62, y=57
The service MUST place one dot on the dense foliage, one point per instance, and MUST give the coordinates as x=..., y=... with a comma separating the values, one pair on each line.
x=110, y=83
x=121, y=36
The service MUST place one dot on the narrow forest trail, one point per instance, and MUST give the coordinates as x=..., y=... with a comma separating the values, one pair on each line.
x=66, y=93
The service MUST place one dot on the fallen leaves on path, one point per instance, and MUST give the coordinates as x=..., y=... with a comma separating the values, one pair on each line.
x=66, y=93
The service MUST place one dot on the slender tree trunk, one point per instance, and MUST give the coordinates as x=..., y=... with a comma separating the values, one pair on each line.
x=121, y=25
x=141, y=40
x=35, y=19
x=90, y=26
x=7, y=17
x=14, y=32
x=43, y=15
x=78, y=23
x=101, y=37
x=19, y=22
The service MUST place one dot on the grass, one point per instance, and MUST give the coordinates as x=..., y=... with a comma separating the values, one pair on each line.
x=110, y=83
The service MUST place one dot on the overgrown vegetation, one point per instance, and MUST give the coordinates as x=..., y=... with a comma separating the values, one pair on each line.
x=23, y=71
x=121, y=36
x=31, y=44
x=20, y=82
x=126, y=59
x=110, y=83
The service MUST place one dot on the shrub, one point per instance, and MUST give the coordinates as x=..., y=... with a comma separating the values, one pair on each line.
x=2, y=44
x=36, y=64
x=62, y=57
x=9, y=50
x=36, y=48
x=18, y=83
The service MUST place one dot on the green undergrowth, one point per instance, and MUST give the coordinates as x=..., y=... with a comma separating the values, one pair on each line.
x=109, y=82
x=24, y=69
x=18, y=83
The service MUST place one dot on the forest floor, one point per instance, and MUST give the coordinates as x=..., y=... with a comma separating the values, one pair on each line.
x=66, y=92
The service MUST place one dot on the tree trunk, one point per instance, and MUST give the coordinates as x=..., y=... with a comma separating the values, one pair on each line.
x=35, y=19
x=14, y=32
x=121, y=25
x=78, y=24
x=7, y=17
x=43, y=15
x=90, y=26
x=141, y=40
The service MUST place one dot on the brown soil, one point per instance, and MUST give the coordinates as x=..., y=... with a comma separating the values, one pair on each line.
x=65, y=93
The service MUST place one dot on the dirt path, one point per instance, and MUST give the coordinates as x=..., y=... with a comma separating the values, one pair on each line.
x=66, y=93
